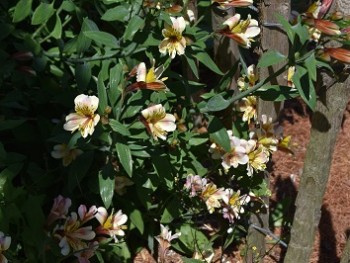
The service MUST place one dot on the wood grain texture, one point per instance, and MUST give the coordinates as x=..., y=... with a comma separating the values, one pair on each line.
x=326, y=122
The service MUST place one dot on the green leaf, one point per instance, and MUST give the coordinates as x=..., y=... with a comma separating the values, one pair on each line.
x=83, y=75
x=136, y=218
x=103, y=38
x=57, y=30
x=115, y=77
x=192, y=63
x=305, y=86
x=321, y=64
x=191, y=260
x=218, y=134
x=118, y=13
x=310, y=64
x=102, y=95
x=216, y=103
x=42, y=13
x=133, y=26
x=226, y=80
x=22, y=10
x=106, y=179
x=193, y=238
x=171, y=211
x=124, y=155
x=79, y=169
x=68, y=5
x=10, y=124
x=276, y=93
x=206, y=60
x=83, y=42
x=286, y=27
x=270, y=58
x=302, y=32
x=197, y=141
x=119, y=128
x=163, y=168
x=7, y=174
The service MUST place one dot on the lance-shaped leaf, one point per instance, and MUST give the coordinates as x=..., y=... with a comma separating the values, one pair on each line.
x=106, y=179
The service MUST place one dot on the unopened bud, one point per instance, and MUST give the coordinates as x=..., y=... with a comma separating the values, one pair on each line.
x=337, y=15
x=104, y=120
x=27, y=70
x=22, y=56
x=108, y=110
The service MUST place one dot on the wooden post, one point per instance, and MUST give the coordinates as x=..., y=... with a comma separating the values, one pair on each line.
x=345, y=258
x=274, y=39
x=326, y=122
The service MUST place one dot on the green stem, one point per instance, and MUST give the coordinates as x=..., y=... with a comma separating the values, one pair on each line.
x=120, y=104
x=259, y=84
x=82, y=60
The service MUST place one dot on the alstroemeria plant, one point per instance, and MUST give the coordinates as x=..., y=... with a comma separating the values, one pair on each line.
x=84, y=119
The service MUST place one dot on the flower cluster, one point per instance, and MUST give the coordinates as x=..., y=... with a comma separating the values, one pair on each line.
x=75, y=231
x=317, y=25
x=228, y=201
x=334, y=26
x=254, y=152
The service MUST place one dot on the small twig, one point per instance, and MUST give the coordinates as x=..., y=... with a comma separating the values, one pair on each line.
x=269, y=233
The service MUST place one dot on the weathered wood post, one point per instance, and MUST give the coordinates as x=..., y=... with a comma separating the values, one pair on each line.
x=326, y=122
x=271, y=38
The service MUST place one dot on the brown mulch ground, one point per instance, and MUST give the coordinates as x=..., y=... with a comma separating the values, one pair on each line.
x=334, y=225
x=335, y=219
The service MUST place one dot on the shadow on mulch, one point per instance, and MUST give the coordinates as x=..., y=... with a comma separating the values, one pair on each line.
x=328, y=243
x=333, y=228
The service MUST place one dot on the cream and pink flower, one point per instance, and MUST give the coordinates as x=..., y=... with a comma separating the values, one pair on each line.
x=242, y=31
x=59, y=209
x=5, y=242
x=149, y=79
x=73, y=235
x=247, y=81
x=84, y=119
x=86, y=215
x=248, y=106
x=237, y=155
x=324, y=26
x=318, y=9
x=158, y=122
x=268, y=134
x=62, y=151
x=258, y=157
x=195, y=184
x=212, y=195
x=174, y=42
x=111, y=225
x=234, y=203
x=340, y=54
x=290, y=74
x=86, y=253
x=164, y=240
